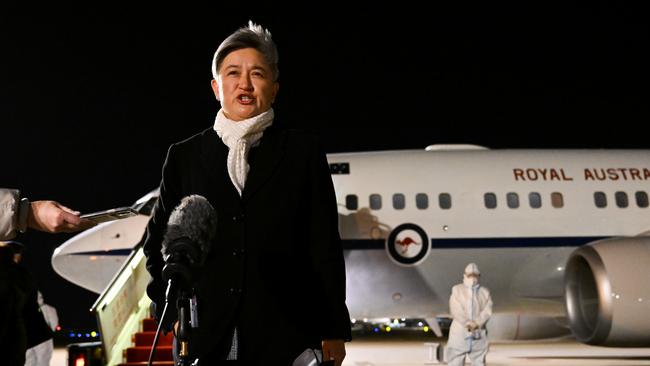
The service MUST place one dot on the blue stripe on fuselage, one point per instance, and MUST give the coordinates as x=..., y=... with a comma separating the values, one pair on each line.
x=113, y=252
x=460, y=243
x=437, y=243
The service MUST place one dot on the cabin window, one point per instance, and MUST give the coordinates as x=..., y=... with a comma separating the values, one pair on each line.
x=490, y=200
x=535, y=200
x=351, y=202
x=444, y=201
x=375, y=202
x=399, y=202
x=600, y=199
x=422, y=201
x=513, y=200
x=621, y=199
x=557, y=200
x=641, y=199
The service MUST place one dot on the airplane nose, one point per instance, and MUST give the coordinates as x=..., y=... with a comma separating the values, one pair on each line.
x=91, y=258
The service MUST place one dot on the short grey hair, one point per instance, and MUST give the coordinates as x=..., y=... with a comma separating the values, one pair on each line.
x=253, y=36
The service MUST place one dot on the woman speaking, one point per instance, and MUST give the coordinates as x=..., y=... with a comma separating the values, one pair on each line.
x=273, y=284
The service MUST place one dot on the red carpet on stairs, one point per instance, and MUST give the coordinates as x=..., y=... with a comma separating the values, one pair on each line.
x=142, y=341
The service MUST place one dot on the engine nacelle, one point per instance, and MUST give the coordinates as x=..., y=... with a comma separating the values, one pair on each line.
x=525, y=327
x=607, y=286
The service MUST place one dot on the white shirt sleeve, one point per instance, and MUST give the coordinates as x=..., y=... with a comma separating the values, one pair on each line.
x=8, y=213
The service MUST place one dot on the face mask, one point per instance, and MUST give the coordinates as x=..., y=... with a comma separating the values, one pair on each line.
x=470, y=281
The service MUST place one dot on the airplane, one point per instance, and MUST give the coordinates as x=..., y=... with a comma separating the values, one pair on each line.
x=562, y=238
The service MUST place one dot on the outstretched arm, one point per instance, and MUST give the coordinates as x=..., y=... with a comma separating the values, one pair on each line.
x=49, y=216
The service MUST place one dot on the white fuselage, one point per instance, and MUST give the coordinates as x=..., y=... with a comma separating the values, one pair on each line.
x=521, y=251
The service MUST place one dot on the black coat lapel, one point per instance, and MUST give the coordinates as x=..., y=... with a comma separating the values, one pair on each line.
x=268, y=156
x=214, y=155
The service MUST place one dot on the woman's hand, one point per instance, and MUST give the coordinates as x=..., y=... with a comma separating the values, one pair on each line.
x=334, y=349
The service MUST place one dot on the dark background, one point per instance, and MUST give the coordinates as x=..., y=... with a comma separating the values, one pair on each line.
x=90, y=99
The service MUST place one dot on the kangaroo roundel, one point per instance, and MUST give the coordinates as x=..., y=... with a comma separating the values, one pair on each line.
x=407, y=245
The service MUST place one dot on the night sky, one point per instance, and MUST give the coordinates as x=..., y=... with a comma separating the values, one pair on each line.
x=91, y=99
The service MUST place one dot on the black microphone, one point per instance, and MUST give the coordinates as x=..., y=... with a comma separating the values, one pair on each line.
x=191, y=228
x=190, y=231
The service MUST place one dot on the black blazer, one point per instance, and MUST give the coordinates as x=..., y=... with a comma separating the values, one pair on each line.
x=276, y=268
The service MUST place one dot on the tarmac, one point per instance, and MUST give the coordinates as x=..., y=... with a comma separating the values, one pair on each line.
x=422, y=349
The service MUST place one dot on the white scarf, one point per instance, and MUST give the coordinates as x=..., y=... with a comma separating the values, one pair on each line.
x=240, y=136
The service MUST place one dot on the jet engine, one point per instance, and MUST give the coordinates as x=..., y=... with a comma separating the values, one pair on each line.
x=607, y=290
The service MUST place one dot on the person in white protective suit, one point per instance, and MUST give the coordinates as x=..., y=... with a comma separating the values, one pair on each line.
x=41, y=354
x=471, y=307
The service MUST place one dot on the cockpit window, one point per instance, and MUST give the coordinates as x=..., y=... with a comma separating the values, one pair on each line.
x=340, y=168
x=145, y=208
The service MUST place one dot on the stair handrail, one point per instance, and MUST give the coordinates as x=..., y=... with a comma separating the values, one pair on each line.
x=122, y=305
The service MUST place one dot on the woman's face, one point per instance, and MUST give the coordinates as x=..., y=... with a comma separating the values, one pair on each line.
x=245, y=85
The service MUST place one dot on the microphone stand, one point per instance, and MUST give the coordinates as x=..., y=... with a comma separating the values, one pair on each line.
x=183, y=336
